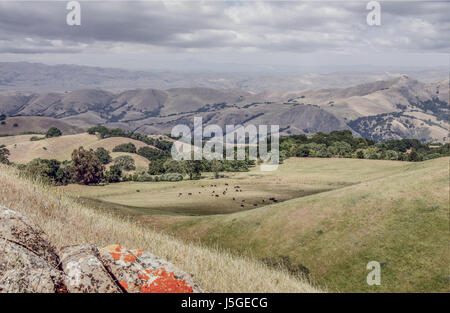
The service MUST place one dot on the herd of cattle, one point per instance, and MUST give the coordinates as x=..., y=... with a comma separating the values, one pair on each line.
x=224, y=192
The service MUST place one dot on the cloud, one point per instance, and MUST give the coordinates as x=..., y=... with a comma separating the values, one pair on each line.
x=271, y=27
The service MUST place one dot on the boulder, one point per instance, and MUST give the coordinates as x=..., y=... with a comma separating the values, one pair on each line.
x=29, y=263
x=16, y=228
x=85, y=273
x=22, y=270
x=140, y=272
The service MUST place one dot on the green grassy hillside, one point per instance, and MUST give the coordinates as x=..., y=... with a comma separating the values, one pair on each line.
x=334, y=216
x=400, y=219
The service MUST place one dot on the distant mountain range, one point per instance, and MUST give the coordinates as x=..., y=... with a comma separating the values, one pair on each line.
x=400, y=107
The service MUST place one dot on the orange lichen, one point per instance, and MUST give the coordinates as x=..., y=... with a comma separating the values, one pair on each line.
x=144, y=277
x=129, y=258
x=165, y=283
x=124, y=284
x=116, y=256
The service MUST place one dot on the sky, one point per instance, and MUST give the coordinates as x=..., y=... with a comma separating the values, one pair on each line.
x=220, y=35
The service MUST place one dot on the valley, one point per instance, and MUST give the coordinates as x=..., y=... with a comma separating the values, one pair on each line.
x=333, y=216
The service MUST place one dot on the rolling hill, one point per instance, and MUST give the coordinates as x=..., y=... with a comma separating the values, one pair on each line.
x=36, y=124
x=401, y=107
x=393, y=212
x=23, y=150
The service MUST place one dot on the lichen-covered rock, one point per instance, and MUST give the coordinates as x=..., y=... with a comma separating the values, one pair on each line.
x=28, y=263
x=143, y=273
x=22, y=270
x=16, y=228
x=159, y=266
x=85, y=273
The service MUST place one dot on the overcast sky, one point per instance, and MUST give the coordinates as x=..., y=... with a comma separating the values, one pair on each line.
x=221, y=35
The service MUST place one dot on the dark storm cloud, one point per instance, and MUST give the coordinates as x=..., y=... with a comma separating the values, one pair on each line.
x=27, y=27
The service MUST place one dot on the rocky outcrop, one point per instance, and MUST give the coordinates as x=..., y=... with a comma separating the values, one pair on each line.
x=30, y=263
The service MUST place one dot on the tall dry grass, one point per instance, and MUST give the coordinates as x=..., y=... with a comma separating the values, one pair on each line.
x=67, y=223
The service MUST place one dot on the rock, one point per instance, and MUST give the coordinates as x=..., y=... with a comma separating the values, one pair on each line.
x=29, y=263
x=139, y=272
x=22, y=270
x=16, y=228
x=84, y=271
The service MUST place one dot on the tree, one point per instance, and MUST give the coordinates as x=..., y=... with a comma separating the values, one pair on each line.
x=216, y=167
x=2, y=117
x=360, y=154
x=53, y=132
x=414, y=157
x=114, y=174
x=103, y=155
x=156, y=167
x=173, y=166
x=87, y=169
x=4, y=154
x=125, y=162
x=151, y=153
x=125, y=147
x=194, y=168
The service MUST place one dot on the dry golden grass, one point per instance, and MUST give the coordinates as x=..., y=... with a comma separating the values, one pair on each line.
x=68, y=223
x=60, y=148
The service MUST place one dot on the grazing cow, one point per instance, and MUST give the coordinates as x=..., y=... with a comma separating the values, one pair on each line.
x=180, y=194
x=213, y=191
x=272, y=198
x=190, y=194
x=254, y=204
x=275, y=200
x=199, y=192
x=242, y=205
x=224, y=192
x=264, y=200
x=226, y=184
x=217, y=196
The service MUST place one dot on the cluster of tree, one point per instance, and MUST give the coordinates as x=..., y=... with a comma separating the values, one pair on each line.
x=125, y=147
x=53, y=132
x=343, y=144
x=4, y=153
x=104, y=132
x=194, y=168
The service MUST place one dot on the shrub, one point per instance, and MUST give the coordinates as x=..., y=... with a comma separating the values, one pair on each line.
x=173, y=166
x=414, y=157
x=145, y=178
x=125, y=162
x=156, y=167
x=103, y=155
x=87, y=169
x=114, y=174
x=125, y=147
x=36, y=138
x=171, y=177
x=50, y=171
x=53, y=132
x=151, y=153
x=4, y=153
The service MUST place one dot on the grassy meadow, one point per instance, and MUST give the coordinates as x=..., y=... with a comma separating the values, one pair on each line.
x=69, y=223
x=332, y=217
x=320, y=218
